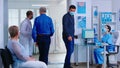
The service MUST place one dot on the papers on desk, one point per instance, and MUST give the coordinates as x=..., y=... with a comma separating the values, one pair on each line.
x=98, y=44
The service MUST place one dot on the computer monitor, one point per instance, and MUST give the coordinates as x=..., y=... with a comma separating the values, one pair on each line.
x=88, y=33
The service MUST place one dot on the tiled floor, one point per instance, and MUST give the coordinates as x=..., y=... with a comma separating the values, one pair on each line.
x=57, y=61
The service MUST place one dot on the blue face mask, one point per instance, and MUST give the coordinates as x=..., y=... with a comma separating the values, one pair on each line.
x=105, y=30
x=72, y=13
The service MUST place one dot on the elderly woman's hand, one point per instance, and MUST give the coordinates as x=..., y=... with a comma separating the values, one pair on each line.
x=31, y=59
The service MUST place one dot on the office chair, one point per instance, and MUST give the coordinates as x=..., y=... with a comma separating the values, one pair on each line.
x=6, y=57
x=112, y=55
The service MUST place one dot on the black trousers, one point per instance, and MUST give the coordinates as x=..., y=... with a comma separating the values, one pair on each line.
x=0, y=59
x=43, y=46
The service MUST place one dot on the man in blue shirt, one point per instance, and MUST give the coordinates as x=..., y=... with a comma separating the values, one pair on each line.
x=68, y=34
x=42, y=31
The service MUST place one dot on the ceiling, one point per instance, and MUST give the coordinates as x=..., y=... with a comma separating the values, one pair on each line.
x=29, y=3
x=35, y=1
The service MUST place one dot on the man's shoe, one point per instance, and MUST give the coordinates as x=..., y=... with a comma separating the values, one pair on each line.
x=68, y=67
x=99, y=66
x=71, y=67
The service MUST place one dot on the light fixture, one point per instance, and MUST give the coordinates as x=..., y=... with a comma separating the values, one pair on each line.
x=39, y=5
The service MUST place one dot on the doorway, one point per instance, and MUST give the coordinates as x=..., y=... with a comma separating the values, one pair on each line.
x=17, y=13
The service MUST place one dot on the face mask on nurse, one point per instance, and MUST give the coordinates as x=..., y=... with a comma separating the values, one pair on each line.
x=105, y=30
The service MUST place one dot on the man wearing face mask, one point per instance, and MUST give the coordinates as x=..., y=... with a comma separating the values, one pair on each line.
x=26, y=33
x=68, y=34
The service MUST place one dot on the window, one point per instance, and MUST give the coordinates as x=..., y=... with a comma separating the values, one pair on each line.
x=13, y=17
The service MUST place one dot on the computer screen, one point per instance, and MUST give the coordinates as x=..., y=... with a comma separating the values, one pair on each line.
x=87, y=33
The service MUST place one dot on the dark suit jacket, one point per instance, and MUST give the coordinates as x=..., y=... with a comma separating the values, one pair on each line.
x=68, y=25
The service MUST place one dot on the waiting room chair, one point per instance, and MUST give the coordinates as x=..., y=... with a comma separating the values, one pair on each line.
x=6, y=56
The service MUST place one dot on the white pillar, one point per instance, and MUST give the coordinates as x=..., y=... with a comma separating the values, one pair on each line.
x=116, y=8
x=68, y=4
x=3, y=23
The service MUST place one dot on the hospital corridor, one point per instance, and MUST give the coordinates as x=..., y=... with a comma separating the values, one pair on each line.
x=59, y=34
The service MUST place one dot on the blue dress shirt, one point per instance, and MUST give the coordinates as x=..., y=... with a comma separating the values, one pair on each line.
x=42, y=25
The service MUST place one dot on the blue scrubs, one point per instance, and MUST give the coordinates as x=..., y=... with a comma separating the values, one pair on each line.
x=107, y=38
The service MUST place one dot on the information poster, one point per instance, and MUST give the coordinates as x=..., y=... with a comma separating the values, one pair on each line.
x=81, y=7
x=81, y=22
x=106, y=17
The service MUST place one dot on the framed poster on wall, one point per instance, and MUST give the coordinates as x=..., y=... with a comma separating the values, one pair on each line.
x=81, y=22
x=119, y=15
x=95, y=20
x=81, y=7
x=95, y=14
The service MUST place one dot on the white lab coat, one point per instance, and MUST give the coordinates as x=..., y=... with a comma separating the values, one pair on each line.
x=26, y=36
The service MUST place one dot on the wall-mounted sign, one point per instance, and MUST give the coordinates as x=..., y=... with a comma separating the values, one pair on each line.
x=81, y=22
x=81, y=7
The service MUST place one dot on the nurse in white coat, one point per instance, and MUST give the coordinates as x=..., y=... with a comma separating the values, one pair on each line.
x=26, y=33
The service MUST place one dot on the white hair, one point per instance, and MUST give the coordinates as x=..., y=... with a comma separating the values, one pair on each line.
x=42, y=9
